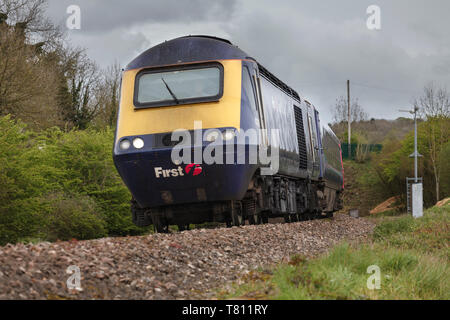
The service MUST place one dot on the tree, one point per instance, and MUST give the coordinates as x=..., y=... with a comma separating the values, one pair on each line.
x=27, y=77
x=393, y=165
x=79, y=88
x=434, y=106
x=109, y=96
x=44, y=81
x=340, y=111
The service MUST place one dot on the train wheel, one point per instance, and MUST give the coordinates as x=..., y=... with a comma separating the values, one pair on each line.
x=303, y=216
x=183, y=227
x=139, y=216
x=287, y=218
x=315, y=215
x=237, y=216
x=161, y=226
x=325, y=215
x=160, y=223
x=250, y=210
x=264, y=217
x=309, y=215
x=254, y=218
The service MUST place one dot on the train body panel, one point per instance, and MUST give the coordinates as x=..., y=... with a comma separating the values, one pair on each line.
x=279, y=115
x=155, y=181
x=333, y=169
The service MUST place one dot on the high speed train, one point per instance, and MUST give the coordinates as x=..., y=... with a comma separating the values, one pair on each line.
x=181, y=83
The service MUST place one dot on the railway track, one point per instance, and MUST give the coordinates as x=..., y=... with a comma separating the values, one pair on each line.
x=182, y=265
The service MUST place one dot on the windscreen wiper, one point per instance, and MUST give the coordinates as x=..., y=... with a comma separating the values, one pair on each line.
x=171, y=92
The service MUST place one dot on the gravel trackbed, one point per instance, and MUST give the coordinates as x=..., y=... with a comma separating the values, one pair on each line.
x=185, y=265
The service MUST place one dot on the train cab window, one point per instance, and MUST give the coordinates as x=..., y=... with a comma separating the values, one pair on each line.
x=249, y=88
x=180, y=85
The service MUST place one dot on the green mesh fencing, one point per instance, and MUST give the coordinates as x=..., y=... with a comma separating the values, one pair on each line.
x=372, y=148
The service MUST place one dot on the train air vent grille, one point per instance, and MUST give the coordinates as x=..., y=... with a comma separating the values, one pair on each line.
x=301, y=138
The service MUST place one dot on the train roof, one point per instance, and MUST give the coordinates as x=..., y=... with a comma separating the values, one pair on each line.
x=187, y=49
x=199, y=48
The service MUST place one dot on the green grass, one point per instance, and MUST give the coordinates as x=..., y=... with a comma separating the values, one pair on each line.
x=412, y=254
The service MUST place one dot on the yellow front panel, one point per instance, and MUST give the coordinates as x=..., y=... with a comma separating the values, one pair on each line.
x=224, y=113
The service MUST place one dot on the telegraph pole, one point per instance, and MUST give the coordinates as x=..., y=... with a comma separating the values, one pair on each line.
x=349, y=121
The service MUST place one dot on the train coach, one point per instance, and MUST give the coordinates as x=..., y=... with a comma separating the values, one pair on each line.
x=205, y=80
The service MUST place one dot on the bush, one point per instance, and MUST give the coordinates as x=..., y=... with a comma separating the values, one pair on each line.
x=81, y=162
x=387, y=228
x=17, y=195
x=71, y=217
x=75, y=167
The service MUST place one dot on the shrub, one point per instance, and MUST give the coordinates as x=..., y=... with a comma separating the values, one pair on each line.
x=72, y=217
x=85, y=160
x=73, y=166
x=389, y=227
x=19, y=206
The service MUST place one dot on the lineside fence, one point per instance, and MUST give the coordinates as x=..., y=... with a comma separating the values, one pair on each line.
x=366, y=148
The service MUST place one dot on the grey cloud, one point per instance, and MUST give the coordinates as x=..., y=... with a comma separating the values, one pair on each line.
x=314, y=46
x=315, y=50
x=103, y=16
x=131, y=44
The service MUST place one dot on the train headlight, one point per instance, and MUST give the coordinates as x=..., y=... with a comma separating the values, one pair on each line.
x=212, y=136
x=228, y=135
x=124, y=144
x=138, y=143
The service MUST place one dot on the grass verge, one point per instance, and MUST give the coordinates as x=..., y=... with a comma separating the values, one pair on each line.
x=412, y=256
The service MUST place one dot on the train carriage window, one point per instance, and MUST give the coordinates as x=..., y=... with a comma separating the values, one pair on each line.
x=311, y=138
x=179, y=85
x=249, y=89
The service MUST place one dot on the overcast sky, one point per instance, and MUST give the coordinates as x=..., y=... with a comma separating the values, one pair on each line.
x=313, y=46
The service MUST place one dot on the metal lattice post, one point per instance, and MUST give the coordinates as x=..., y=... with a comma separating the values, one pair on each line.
x=408, y=196
x=414, y=191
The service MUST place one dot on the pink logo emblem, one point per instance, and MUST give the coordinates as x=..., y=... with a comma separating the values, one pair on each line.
x=197, y=169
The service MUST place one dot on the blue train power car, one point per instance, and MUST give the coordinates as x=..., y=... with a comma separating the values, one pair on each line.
x=205, y=80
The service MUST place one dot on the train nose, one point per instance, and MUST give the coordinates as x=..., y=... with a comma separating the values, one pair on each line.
x=154, y=179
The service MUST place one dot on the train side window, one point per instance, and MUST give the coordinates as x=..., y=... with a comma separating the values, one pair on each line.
x=311, y=139
x=249, y=88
